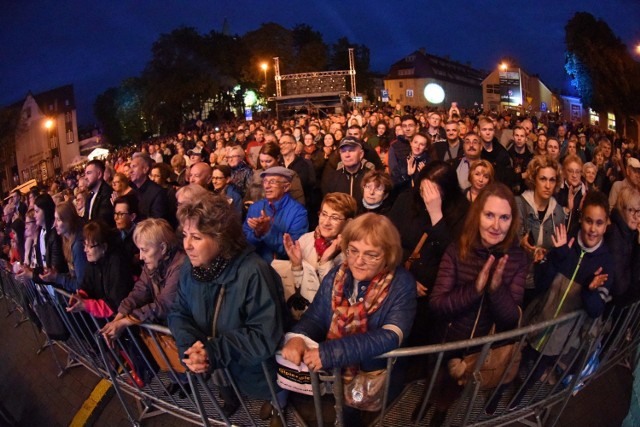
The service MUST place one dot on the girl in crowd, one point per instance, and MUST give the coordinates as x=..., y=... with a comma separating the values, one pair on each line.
x=153, y=294
x=589, y=173
x=481, y=174
x=577, y=274
x=418, y=157
x=376, y=188
x=49, y=255
x=480, y=281
x=107, y=278
x=540, y=212
x=428, y=218
x=369, y=285
x=69, y=226
x=229, y=309
x=571, y=192
x=316, y=252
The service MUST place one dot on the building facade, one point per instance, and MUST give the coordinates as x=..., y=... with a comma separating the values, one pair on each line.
x=513, y=88
x=421, y=79
x=47, y=136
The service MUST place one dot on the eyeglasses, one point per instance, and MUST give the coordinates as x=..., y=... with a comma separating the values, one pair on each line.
x=332, y=218
x=372, y=187
x=268, y=182
x=634, y=212
x=574, y=171
x=120, y=214
x=367, y=257
x=90, y=246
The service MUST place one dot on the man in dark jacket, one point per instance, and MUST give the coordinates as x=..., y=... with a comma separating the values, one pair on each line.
x=98, y=204
x=152, y=198
x=346, y=178
x=400, y=150
x=449, y=150
x=495, y=153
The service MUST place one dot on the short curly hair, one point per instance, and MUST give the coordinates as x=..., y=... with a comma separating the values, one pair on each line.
x=213, y=216
x=542, y=162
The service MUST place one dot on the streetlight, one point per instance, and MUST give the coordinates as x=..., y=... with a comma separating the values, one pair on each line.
x=504, y=66
x=264, y=67
x=48, y=124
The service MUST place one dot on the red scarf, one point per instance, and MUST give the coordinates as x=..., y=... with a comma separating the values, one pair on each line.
x=321, y=244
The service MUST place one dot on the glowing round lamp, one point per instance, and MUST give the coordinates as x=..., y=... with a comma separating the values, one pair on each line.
x=250, y=98
x=434, y=93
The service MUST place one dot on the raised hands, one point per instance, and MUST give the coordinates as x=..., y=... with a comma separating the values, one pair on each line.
x=559, y=237
x=496, y=279
x=433, y=201
x=261, y=224
x=292, y=249
x=599, y=279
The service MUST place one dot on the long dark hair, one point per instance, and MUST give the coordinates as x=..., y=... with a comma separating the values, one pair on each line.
x=443, y=174
x=45, y=203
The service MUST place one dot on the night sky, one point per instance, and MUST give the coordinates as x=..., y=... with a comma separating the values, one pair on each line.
x=95, y=45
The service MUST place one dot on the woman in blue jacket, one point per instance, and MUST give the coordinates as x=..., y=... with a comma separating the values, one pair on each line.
x=364, y=307
x=229, y=309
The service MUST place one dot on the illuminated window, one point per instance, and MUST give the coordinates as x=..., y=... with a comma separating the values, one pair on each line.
x=611, y=121
x=409, y=93
x=594, y=118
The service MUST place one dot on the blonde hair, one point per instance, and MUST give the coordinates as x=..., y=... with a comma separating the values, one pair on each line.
x=155, y=231
x=376, y=230
x=485, y=164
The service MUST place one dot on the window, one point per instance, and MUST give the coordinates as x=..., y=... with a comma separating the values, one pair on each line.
x=69, y=137
x=400, y=84
x=409, y=93
x=411, y=58
x=611, y=121
x=594, y=118
x=406, y=72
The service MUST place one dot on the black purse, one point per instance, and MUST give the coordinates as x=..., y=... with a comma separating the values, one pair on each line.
x=51, y=322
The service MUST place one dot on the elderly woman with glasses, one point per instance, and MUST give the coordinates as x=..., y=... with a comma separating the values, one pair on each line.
x=107, y=278
x=313, y=255
x=376, y=188
x=364, y=307
x=241, y=172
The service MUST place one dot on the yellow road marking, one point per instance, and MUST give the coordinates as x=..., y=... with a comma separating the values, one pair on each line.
x=89, y=406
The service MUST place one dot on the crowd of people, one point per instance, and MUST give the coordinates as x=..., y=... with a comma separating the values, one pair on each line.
x=338, y=239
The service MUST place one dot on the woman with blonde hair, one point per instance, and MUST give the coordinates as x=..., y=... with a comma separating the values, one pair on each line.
x=153, y=294
x=481, y=174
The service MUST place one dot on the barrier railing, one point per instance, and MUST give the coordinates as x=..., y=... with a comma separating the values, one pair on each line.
x=142, y=363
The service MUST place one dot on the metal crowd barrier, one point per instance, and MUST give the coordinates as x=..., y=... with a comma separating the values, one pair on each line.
x=141, y=368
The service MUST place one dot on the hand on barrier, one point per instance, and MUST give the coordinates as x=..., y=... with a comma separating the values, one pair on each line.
x=197, y=360
x=312, y=359
x=112, y=330
x=49, y=275
x=76, y=304
x=293, y=350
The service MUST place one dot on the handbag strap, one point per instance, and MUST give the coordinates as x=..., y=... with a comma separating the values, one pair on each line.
x=475, y=324
x=216, y=313
x=416, y=252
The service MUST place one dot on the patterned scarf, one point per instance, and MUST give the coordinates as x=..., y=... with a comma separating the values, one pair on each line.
x=208, y=274
x=321, y=244
x=353, y=319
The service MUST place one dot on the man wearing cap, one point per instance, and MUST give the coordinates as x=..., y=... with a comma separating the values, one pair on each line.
x=584, y=148
x=278, y=213
x=347, y=176
x=632, y=179
x=195, y=155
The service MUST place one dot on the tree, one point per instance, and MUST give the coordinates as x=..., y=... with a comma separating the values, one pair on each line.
x=179, y=79
x=119, y=110
x=309, y=50
x=604, y=73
